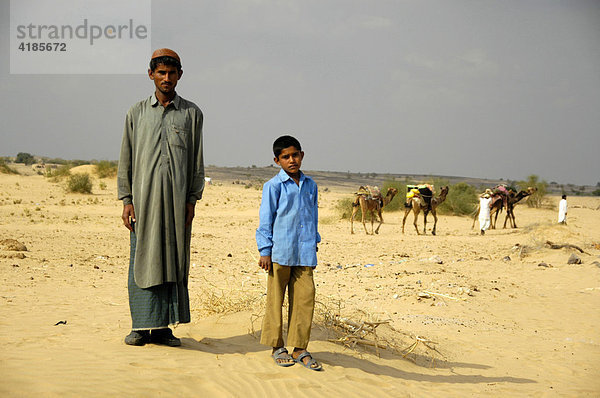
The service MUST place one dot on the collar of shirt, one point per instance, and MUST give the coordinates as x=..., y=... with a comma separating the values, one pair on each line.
x=176, y=100
x=283, y=176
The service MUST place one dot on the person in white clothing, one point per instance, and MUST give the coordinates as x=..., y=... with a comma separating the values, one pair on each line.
x=484, y=212
x=562, y=210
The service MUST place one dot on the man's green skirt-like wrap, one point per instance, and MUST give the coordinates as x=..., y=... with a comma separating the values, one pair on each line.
x=159, y=306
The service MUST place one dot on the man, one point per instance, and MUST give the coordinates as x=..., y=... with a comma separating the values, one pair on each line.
x=485, y=202
x=562, y=210
x=160, y=178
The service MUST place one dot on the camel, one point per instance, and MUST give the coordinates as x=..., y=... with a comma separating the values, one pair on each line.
x=416, y=206
x=372, y=204
x=497, y=205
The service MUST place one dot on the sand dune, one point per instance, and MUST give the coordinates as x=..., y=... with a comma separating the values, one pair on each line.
x=502, y=327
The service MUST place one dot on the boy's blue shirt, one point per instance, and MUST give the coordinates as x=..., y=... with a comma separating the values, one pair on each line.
x=288, y=221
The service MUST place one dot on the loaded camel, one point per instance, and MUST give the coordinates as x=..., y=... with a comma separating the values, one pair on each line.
x=416, y=205
x=510, y=200
x=370, y=203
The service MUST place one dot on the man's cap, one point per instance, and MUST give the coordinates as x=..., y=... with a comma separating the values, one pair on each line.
x=165, y=52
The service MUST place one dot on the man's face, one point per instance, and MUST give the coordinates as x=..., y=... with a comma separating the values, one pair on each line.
x=165, y=77
x=290, y=160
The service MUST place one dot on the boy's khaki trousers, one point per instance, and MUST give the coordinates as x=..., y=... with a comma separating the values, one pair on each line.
x=301, y=298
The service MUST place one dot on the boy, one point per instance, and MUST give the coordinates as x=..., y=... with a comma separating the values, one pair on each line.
x=287, y=240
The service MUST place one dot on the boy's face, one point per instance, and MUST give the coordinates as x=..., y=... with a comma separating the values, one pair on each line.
x=290, y=160
x=165, y=77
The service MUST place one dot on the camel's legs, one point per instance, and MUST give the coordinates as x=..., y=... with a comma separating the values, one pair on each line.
x=363, y=209
x=406, y=213
x=476, y=216
x=425, y=213
x=510, y=215
x=416, y=211
x=354, y=211
x=494, y=218
x=380, y=219
x=434, y=213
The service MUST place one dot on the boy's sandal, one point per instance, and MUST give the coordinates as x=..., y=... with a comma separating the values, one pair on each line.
x=312, y=364
x=281, y=355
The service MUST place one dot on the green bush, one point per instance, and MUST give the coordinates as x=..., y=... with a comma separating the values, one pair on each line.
x=461, y=200
x=105, y=169
x=79, y=183
x=596, y=192
x=398, y=202
x=6, y=169
x=536, y=199
x=344, y=209
x=26, y=158
x=59, y=172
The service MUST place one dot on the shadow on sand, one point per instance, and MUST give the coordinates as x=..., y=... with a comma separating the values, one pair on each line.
x=243, y=344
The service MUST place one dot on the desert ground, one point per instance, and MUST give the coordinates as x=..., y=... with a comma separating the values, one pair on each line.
x=462, y=314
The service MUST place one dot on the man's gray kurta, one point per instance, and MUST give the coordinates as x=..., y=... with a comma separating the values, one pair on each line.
x=160, y=169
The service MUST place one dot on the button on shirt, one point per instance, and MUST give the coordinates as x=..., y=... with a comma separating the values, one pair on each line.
x=288, y=221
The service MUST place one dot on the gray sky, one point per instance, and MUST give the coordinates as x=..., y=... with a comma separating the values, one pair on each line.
x=491, y=89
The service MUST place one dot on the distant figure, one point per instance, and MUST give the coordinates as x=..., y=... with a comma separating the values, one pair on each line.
x=562, y=210
x=485, y=202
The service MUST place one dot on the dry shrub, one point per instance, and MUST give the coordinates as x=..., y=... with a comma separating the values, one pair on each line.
x=398, y=202
x=58, y=173
x=6, y=169
x=343, y=209
x=361, y=330
x=535, y=200
x=79, y=183
x=461, y=200
x=106, y=169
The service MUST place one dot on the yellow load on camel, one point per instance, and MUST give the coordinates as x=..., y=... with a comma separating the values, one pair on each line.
x=422, y=191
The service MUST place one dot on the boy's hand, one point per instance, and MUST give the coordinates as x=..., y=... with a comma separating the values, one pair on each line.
x=265, y=263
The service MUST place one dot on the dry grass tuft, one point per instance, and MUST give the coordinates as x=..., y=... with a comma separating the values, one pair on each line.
x=366, y=331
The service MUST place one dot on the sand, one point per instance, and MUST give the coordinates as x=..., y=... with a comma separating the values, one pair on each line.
x=508, y=327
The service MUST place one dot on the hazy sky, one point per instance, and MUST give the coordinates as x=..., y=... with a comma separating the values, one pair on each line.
x=492, y=89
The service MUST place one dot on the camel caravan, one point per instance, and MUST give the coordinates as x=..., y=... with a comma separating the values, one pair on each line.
x=422, y=199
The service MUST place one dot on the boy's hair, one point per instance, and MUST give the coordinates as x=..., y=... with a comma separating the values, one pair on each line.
x=564, y=196
x=285, y=141
x=169, y=61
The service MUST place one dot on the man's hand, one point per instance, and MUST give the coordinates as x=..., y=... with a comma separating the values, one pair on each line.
x=128, y=216
x=189, y=214
x=265, y=263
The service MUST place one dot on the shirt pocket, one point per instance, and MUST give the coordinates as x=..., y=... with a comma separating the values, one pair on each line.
x=178, y=138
